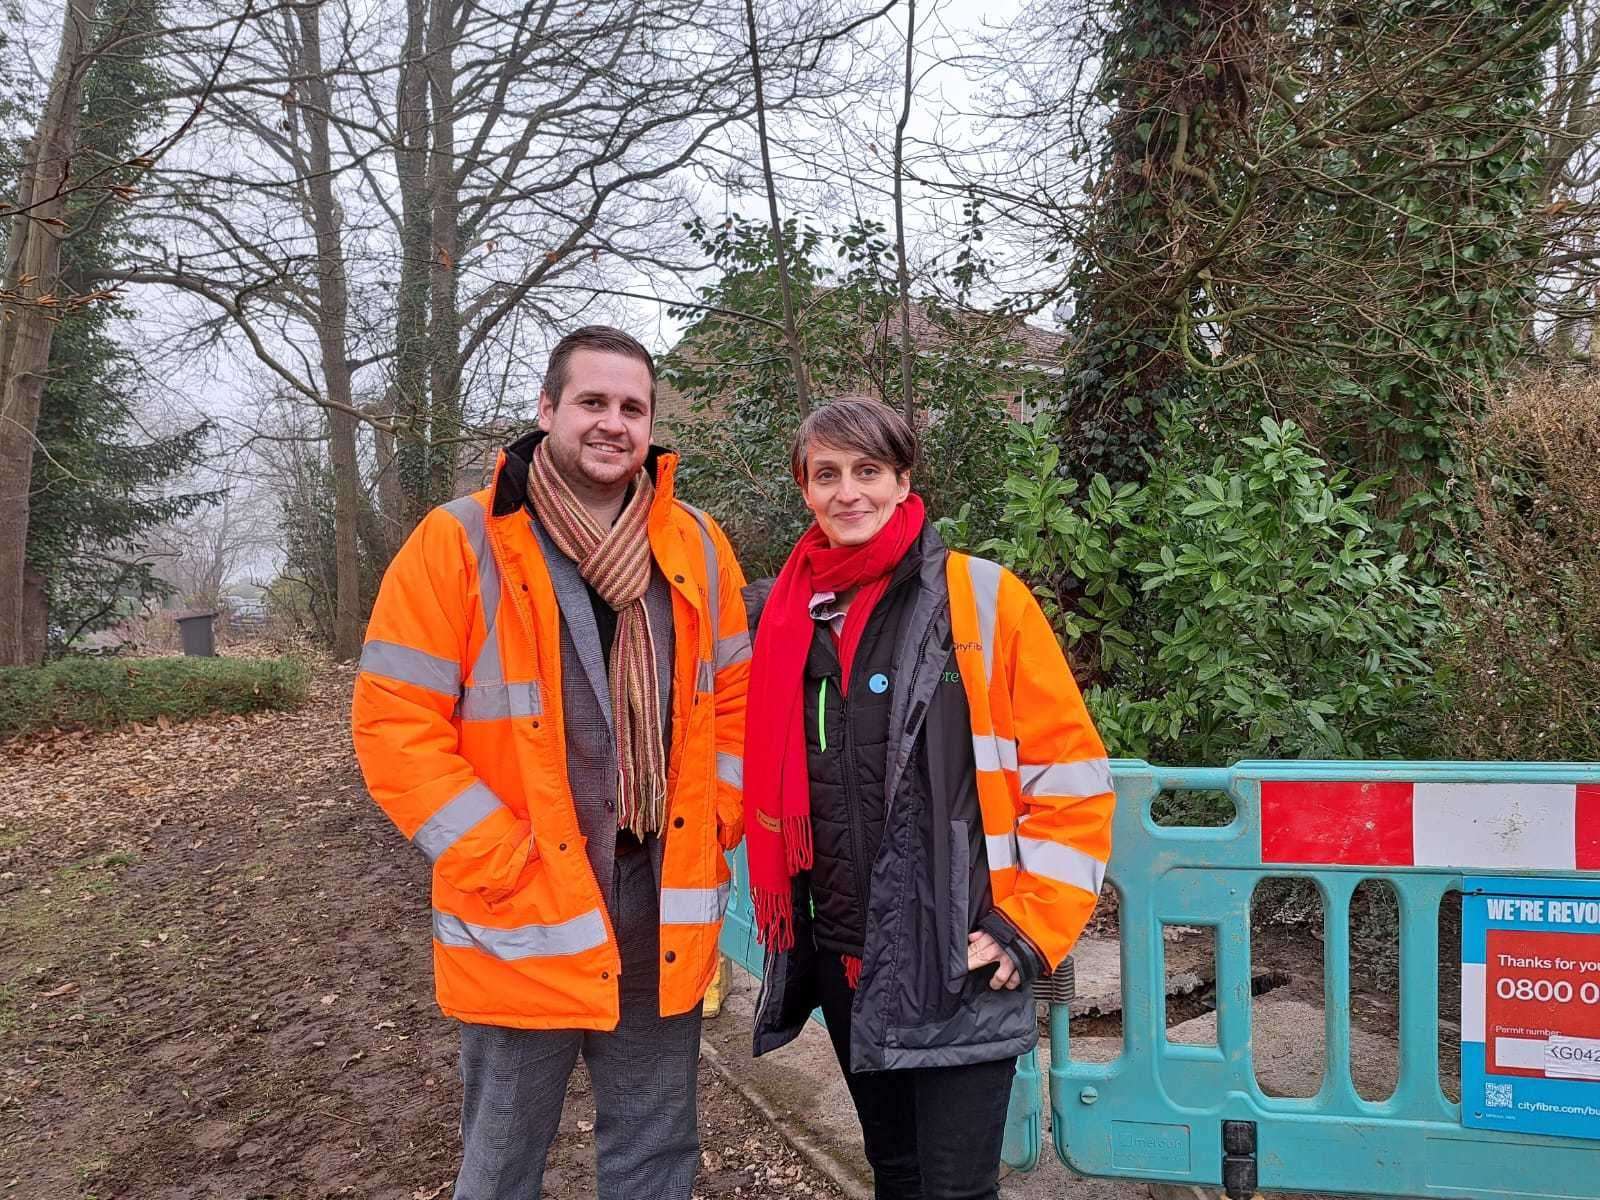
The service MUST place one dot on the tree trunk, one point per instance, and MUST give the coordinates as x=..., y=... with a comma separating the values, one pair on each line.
x=33, y=254
x=797, y=358
x=908, y=356
x=332, y=318
x=392, y=501
x=35, y=610
x=411, y=451
x=444, y=341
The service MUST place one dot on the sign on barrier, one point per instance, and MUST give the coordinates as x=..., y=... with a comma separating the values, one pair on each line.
x=1530, y=1006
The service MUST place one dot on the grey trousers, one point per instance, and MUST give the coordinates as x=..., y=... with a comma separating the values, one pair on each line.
x=647, y=1141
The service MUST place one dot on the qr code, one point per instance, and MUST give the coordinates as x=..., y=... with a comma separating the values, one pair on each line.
x=1497, y=1095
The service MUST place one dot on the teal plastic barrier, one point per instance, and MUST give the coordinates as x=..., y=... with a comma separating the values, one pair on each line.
x=1195, y=1114
x=1161, y=1110
x=739, y=922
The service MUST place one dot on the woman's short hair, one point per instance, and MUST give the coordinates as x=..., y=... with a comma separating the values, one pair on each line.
x=865, y=426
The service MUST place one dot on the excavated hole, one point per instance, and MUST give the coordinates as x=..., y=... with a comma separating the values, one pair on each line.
x=1181, y=1007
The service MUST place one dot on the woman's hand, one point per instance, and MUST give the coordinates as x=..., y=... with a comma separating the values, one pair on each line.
x=983, y=950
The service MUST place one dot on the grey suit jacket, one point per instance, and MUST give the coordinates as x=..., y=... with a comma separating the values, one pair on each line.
x=586, y=702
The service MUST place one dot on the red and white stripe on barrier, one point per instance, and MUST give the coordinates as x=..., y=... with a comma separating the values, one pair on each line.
x=1529, y=826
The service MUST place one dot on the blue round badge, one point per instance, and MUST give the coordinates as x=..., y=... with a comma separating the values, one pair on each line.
x=879, y=683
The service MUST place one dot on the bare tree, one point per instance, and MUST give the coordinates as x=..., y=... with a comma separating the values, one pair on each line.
x=791, y=336
x=496, y=171
x=200, y=557
x=908, y=356
x=64, y=188
x=1567, y=309
x=314, y=165
x=33, y=267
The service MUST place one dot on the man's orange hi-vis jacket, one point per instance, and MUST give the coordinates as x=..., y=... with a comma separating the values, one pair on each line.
x=459, y=730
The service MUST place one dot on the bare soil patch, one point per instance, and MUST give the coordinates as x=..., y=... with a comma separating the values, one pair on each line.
x=215, y=981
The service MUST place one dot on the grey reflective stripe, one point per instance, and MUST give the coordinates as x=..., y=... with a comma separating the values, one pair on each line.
x=488, y=670
x=986, y=595
x=446, y=827
x=1064, y=864
x=708, y=672
x=525, y=941
x=735, y=649
x=694, y=906
x=1002, y=850
x=730, y=769
x=394, y=661
x=994, y=753
x=1087, y=778
x=469, y=512
x=496, y=701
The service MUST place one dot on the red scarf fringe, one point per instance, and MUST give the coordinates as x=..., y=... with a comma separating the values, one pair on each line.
x=852, y=970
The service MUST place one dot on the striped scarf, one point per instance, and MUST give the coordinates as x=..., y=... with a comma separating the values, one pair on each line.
x=615, y=562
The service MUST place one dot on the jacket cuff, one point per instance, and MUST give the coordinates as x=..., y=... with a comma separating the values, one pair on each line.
x=1029, y=962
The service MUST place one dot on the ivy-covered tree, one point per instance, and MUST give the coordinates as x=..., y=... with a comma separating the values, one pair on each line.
x=1426, y=238
x=1173, y=87
x=306, y=589
x=1310, y=210
x=100, y=482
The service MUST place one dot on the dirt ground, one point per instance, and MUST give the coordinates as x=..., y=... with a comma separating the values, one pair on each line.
x=215, y=981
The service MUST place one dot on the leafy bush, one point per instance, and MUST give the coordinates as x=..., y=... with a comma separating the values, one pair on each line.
x=1520, y=673
x=1232, y=604
x=99, y=693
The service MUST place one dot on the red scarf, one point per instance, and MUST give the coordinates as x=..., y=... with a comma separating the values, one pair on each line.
x=777, y=788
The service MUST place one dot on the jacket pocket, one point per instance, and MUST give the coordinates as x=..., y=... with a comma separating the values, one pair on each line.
x=956, y=916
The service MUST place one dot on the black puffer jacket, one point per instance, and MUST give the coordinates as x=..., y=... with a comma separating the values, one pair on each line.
x=907, y=798
x=847, y=755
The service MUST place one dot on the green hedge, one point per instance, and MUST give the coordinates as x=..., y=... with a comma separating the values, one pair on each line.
x=100, y=693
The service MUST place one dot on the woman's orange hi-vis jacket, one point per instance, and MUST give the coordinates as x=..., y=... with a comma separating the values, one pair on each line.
x=459, y=730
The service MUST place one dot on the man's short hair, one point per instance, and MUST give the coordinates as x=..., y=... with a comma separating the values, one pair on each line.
x=605, y=338
x=860, y=424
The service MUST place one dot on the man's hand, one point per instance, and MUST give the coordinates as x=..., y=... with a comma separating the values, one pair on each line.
x=983, y=950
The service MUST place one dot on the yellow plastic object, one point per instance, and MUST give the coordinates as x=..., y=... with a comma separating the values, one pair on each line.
x=718, y=988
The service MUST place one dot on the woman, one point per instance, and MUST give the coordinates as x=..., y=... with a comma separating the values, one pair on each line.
x=928, y=809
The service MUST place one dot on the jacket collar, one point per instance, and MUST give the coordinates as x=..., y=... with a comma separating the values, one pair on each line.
x=511, y=473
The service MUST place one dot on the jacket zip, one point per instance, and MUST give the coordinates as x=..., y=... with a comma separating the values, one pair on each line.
x=914, y=727
x=852, y=803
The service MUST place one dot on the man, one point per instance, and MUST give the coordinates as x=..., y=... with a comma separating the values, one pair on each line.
x=551, y=707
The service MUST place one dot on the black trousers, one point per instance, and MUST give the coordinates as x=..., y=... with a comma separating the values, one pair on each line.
x=931, y=1133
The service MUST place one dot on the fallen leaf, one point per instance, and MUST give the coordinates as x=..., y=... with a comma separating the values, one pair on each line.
x=424, y=1194
x=66, y=989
